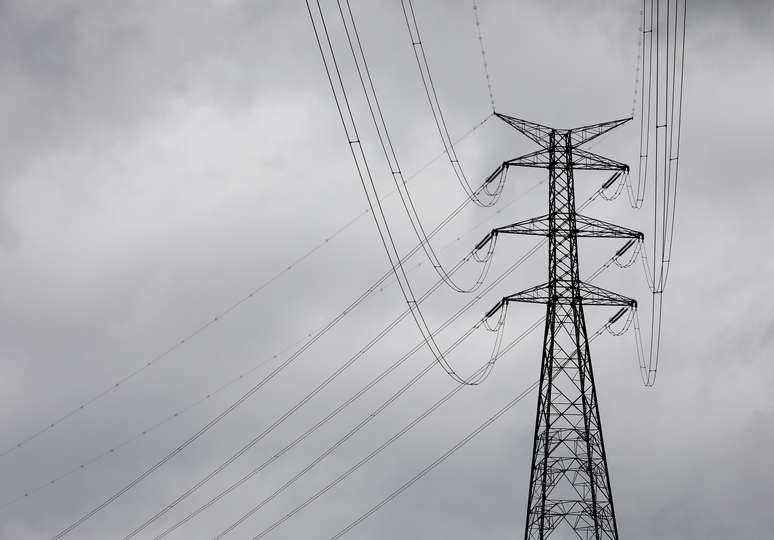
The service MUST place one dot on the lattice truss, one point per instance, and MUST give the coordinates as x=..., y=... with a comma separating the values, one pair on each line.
x=569, y=481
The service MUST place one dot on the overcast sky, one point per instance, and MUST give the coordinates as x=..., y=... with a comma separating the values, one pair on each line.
x=160, y=160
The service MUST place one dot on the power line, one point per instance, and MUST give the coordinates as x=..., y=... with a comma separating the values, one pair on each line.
x=446, y=455
x=111, y=451
x=421, y=474
x=417, y=45
x=340, y=370
x=351, y=470
x=307, y=344
x=346, y=474
x=388, y=149
x=223, y=493
x=469, y=381
x=360, y=160
x=484, y=61
x=668, y=77
x=121, y=382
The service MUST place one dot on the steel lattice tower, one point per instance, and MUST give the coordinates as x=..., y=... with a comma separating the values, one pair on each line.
x=569, y=480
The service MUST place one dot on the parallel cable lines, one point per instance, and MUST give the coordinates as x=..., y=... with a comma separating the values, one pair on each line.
x=388, y=149
x=363, y=390
x=425, y=471
x=341, y=100
x=459, y=386
x=341, y=369
x=435, y=106
x=306, y=345
x=121, y=382
x=86, y=463
x=663, y=76
x=446, y=455
x=484, y=61
x=222, y=494
x=482, y=371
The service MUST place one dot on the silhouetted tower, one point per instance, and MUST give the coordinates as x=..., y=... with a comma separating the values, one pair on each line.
x=569, y=481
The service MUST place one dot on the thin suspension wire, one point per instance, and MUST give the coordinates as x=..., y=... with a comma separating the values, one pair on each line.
x=482, y=374
x=222, y=494
x=344, y=367
x=346, y=474
x=307, y=344
x=121, y=382
x=249, y=393
x=484, y=61
x=205, y=398
x=412, y=26
x=469, y=381
x=421, y=474
x=665, y=83
x=637, y=70
x=367, y=181
x=426, y=470
x=388, y=149
x=473, y=379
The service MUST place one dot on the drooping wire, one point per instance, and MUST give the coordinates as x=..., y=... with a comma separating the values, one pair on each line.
x=377, y=116
x=435, y=107
x=481, y=374
x=637, y=68
x=421, y=474
x=307, y=344
x=496, y=353
x=121, y=382
x=663, y=58
x=470, y=381
x=346, y=474
x=377, y=287
x=459, y=386
x=366, y=178
x=446, y=455
x=484, y=61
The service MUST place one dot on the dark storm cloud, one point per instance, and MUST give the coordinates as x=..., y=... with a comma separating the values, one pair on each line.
x=159, y=160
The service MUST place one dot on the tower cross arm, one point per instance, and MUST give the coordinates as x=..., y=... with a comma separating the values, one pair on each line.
x=581, y=160
x=582, y=135
x=585, y=160
x=536, y=132
x=589, y=295
x=585, y=227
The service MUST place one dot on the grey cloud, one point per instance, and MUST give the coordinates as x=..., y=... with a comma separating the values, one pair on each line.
x=160, y=160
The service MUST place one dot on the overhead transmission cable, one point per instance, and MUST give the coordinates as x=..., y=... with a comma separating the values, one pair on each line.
x=471, y=381
x=663, y=76
x=484, y=61
x=256, y=470
x=421, y=474
x=417, y=45
x=498, y=328
x=343, y=476
x=367, y=181
x=446, y=455
x=307, y=344
x=204, y=398
x=121, y=382
x=388, y=149
x=459, y=386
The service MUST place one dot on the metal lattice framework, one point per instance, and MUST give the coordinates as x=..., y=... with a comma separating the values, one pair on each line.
x=569, y=481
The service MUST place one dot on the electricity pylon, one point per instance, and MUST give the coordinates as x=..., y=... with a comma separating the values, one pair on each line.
x=569, y=481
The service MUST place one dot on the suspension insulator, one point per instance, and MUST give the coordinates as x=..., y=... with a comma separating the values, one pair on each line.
x=618, y=315
x=612, y=179
x=626, y=247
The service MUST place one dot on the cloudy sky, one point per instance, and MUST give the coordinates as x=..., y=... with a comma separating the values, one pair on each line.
x=161, y=160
